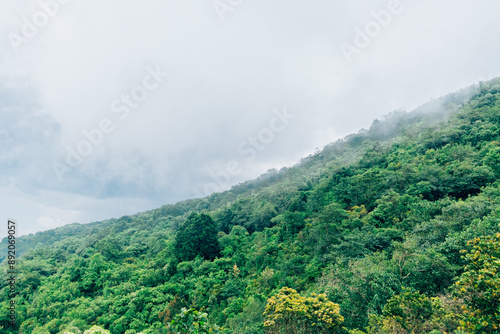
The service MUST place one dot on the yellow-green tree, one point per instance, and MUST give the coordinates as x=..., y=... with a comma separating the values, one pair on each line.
x=479, y=286
x=289, y=312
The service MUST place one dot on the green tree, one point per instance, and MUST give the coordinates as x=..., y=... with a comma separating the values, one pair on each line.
x=409, y=310
x=197, y=236
x=492, y=158
x=192, y=322
x=414, y=313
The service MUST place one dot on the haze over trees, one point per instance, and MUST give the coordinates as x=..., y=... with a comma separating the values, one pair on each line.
x=394, y=229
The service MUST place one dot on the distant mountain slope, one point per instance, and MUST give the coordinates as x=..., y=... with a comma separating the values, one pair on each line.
x=310, y=169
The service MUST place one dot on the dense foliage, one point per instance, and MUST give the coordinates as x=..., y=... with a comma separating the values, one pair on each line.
x=373, y=224
x=192, y=321
x=197, y=237
x=289, y=312
x=479, y=286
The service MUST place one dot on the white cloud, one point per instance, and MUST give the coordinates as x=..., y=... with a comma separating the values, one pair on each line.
x=226, y=78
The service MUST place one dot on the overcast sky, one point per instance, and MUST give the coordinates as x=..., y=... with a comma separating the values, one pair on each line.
x=112, y=107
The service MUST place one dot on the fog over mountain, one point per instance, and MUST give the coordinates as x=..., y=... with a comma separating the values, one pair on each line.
x=118, y=107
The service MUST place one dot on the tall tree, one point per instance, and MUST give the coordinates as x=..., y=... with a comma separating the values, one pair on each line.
x=197, y=236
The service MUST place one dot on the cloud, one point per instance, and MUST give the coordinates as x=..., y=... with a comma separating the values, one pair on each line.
x=226, y=78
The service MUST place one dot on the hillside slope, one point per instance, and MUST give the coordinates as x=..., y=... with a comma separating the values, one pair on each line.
x=301, y=176
x=365, y=220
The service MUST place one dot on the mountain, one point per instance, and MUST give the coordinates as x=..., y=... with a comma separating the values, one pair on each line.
x=375, y=221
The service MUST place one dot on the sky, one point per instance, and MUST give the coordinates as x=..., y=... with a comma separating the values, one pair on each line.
x=116, y=107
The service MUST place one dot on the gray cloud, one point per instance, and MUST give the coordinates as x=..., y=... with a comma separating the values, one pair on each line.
x=226, y=78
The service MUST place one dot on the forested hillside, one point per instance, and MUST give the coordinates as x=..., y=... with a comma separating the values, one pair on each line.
x=390, y=230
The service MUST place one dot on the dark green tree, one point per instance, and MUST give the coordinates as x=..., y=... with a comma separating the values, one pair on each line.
x=197, y=236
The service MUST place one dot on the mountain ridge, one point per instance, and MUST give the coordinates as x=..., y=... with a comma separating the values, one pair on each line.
x=452, y=100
